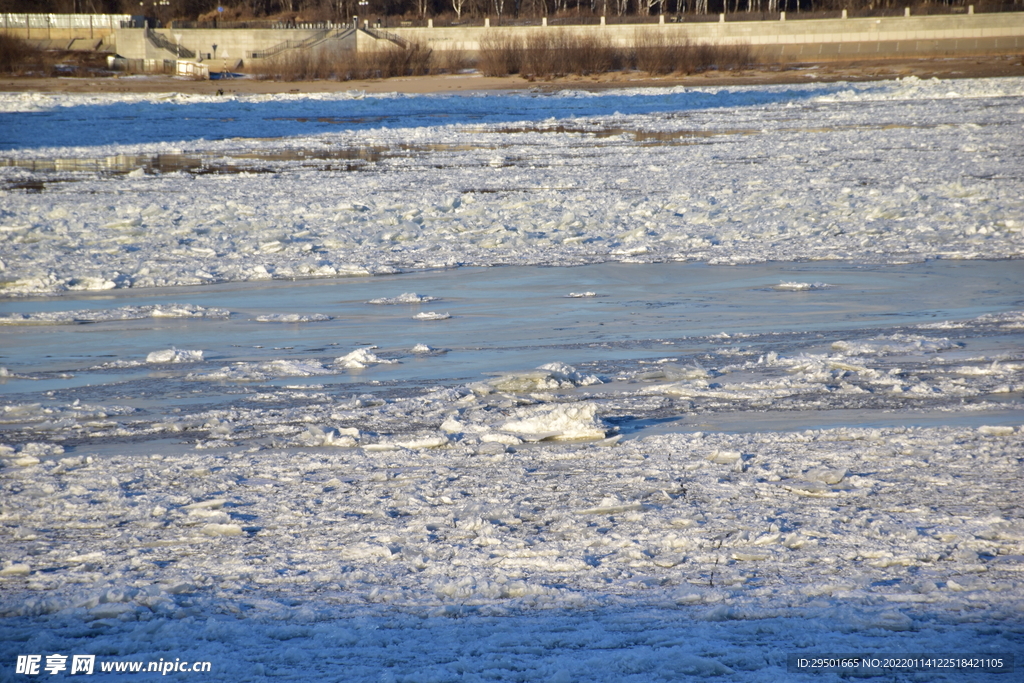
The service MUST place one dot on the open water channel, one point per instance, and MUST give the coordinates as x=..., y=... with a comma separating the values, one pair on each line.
x=621, y=322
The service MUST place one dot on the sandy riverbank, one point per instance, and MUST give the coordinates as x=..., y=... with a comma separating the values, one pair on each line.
x=967, y=67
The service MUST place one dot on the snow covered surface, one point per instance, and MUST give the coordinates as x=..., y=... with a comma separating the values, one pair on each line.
x=700, y=471
x=885, y=172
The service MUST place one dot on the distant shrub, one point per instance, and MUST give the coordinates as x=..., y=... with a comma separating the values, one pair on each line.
x=539, y=54
x=20, y=57
x=449, y=61
x=501, y=54
x=547, y=53
x=552, y=52
x=558, y=53
x=658, y=55
x=345, y=65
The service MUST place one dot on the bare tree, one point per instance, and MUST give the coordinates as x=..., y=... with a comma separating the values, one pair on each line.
x=651, y=4
x=457, y=5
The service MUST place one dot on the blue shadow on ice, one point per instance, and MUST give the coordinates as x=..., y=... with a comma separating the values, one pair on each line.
x=173, y=120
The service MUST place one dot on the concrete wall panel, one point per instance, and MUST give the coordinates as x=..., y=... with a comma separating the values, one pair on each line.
x=882, y=37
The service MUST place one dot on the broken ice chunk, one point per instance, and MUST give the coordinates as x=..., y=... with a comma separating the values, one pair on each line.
x=545, y=378
x=560, y=422
x=361, y=358
x=174, y=356
x=16, y=570
x=610, y=505
x=826, y=475
x=406, y=298
x=996, y=430
x=423, y=349
x=318, y=436
x=725, y=457
x=799, y=286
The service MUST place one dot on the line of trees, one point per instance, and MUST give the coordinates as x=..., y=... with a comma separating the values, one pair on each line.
x=344, y=10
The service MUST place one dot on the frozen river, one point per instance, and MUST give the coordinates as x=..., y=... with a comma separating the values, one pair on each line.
x=575, y=387
x=623, y=321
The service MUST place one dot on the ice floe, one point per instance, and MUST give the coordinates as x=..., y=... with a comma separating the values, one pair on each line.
x=407, y=298
x=292, y=318
x=262, y=371
x=109, y=315
x=800, y=286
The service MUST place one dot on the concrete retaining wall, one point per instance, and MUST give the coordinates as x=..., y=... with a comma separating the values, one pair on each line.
x=820, y=38
x=233, y=45
x=817, y=39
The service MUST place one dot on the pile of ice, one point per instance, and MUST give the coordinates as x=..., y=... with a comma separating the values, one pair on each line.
x=174, y=356
x=361, y=358
x=28, y=454
x=678, y=519
x=425, y=349
x=547, y=377
x=345, y=437
x=244, y=371
x=559, y=422
x=1007, y=320
x=902, y=344
x=800, y=286
x=431, y=315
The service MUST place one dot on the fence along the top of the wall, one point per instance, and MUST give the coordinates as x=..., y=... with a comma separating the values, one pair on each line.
x=34, y=21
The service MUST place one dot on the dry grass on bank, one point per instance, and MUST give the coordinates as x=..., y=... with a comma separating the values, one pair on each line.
x=345, y=65
x=561, y=53
x=18, y=57
x=502, y=53
x=657, y=55
x=558, y=53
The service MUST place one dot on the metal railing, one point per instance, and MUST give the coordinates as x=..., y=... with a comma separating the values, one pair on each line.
x=159, y=40
x=254, y=24
x=62, y=21
x=307, y=43
x=386, y=35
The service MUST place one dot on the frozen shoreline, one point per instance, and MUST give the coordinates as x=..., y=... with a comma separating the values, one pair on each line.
x=976, y=66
